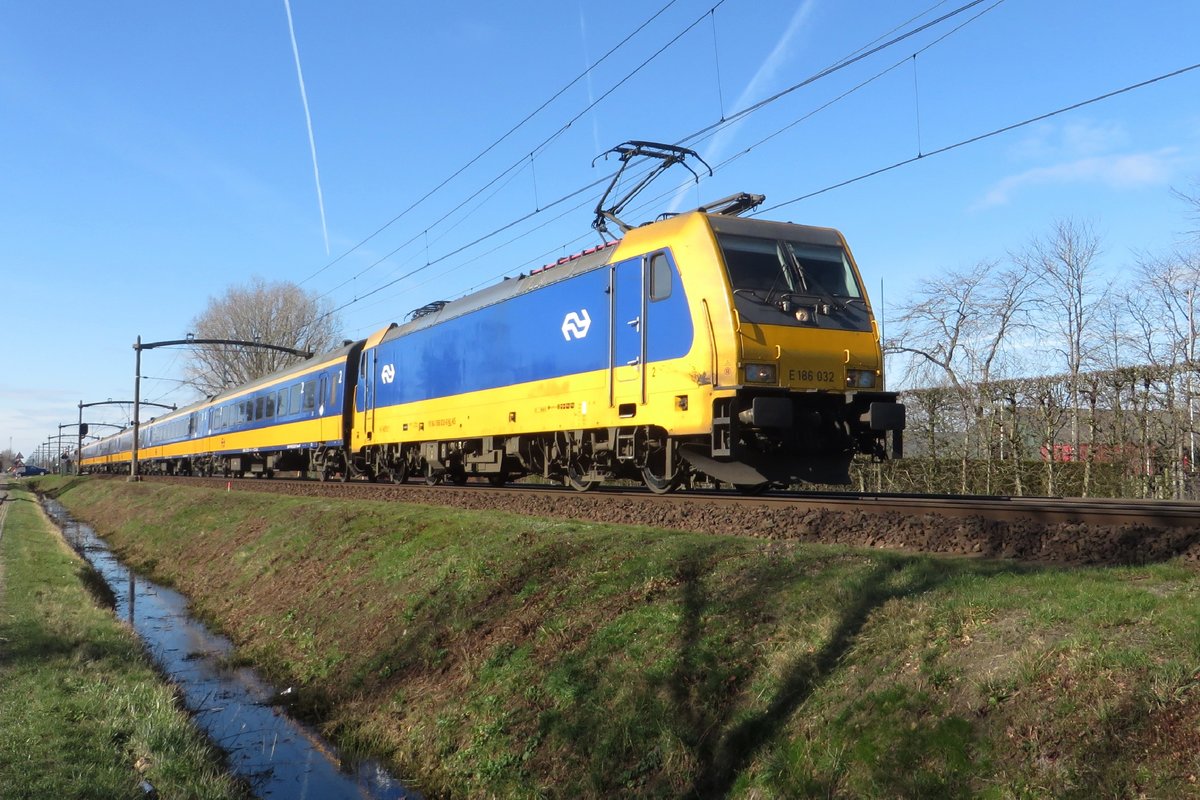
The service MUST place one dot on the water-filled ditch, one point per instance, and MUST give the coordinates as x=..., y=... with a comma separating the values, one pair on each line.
x=241, y=713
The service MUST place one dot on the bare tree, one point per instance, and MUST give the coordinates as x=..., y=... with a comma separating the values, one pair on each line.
x=958, y=330
x=1163, y=312
x=267, y=313
x=1048, y=395
x=1192, y=199
x=1065, y=265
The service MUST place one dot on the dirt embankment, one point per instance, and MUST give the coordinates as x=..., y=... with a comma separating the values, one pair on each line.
x=1024, y=539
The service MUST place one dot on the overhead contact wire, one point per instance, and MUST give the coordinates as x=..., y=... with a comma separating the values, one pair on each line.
x=496, y=143
x=702, y=132
x=543, y=145
x=982, y=136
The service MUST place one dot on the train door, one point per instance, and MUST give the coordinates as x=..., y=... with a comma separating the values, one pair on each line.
x=627, y=345
x=322, y=393
x=366, y=372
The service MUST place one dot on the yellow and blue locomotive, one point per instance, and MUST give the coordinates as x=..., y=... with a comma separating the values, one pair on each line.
x=702, y=347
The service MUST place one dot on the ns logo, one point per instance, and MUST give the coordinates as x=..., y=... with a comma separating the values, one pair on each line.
x=388, y=373
x=576, y=324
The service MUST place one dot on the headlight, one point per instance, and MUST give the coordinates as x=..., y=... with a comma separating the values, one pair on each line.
x=860, y=378
x=760, y=373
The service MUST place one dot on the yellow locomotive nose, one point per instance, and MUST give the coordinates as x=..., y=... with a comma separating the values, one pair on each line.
x=805, y=359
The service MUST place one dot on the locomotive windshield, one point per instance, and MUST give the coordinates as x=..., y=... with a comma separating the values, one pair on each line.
x=782, y=282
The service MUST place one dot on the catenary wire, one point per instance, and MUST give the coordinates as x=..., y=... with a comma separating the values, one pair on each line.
x=982, y=136
x=494, y=144
x=549, y=140
x=859, y=55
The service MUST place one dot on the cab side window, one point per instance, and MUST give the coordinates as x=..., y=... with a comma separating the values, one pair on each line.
x=660, y=277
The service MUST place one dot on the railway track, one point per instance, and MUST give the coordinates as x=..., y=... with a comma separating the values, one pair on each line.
x=1060, y=530
x=1048, y=510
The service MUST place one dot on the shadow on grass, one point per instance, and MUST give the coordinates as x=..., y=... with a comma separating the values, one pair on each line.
x=58, y=491
x=95, y=585
x=29, y=643
x=611, y=714
x=725, y=749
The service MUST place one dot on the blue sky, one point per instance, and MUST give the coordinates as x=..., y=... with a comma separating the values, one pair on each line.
x=153, y=154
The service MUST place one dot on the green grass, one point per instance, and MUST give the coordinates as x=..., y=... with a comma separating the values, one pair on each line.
x=497, y=655
x=82, y=713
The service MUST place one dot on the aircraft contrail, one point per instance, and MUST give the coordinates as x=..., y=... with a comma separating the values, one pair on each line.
x=766, y=72
x=588, y=63
x=312, y=143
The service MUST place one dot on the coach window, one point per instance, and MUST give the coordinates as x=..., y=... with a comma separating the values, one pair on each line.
x=660, y=277
x=281, y=403
x=294, y=401
x=269, y=402
x=309, y=391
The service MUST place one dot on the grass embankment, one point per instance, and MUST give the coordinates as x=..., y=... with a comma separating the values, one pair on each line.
x=82, y=713
x=494, y=655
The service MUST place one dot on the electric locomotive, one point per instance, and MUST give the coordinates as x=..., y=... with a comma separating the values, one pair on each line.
x=703, y=347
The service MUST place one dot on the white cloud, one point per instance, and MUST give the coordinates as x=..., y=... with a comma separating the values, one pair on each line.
x=1077, y=139
x=1117, y=171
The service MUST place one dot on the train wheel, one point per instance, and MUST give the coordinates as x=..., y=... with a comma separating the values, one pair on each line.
x=432, y=478
x=752, y=489
x=657, y=483
x=574, y=476
x=499, y=479
x=660, y=473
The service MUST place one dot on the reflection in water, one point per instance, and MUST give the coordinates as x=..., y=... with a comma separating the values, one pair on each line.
x=277, y=755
